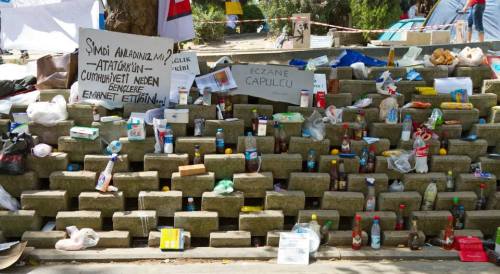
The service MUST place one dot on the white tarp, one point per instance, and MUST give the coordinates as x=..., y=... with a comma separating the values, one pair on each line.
x=26, y=3
x=51, y=27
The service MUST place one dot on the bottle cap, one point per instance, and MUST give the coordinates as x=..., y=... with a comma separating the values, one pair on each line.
x=357, y=217
x=482, y=186
x=402, y=206
x=455, y=200
x=190, y=199
x=345, y=126
x=450, y=218
x=314, y=217
x=376, y=218
x=450, y=172
x=334, y=162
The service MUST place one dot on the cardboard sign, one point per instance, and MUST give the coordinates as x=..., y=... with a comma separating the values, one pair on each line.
x=321, y=41
x=293, y=248
x=319, y=83
x=302, y=31
x=275, y=83
x=186, y=62
x=124, y=68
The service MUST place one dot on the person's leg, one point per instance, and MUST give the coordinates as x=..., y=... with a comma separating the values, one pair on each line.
x=478, y=20
x=470, y=23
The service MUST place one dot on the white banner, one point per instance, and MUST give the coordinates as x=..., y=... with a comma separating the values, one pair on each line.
x=124, y=68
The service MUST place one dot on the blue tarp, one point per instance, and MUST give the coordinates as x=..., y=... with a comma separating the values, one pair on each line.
x=445, y=12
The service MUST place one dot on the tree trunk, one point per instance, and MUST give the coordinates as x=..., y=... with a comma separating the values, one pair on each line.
x=133, y=16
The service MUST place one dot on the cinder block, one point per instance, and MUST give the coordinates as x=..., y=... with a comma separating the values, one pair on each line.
x=457, y=164
x=339, y=100
x=351, y=165
x=473, y=149
x=43, y=167
x=290, y=202
x=227, y=206
x=434, y=100
x=110, y=131
x=431, y=222
x=485, y=220
x=50, y=135
x=15, y=223
x=131, y=183
x=419, y=182
x=375, y=72
x=344, y=238
x=302, y=146
x=346, y=203
x=357, y=182
x=488, y=132
x=477, y=74
x=399, y=238
x=244, y=112
x=165, y=203
x=290, y=128
x=407, y=88
x=357, y=88
x=232, y=129
x=225, y=165
x=138, y=223
x=46, y=202
x=97, y=163
x=82, y=114
x=466, y=117
x=469, y=182
x=378, y=98
x=382, y=167
x=483, y=102
x=193, y=186
x=380, y=146
x=74, y=182
x=431, y=73
x=273, y=238
x=265, y=144
x=417, y=115
x=186, y=145
x=43, y=239
x=444, y=200
x=80, y=219
x=494, y=201
x=155, y=236
x=253, y=185
x=200, y=112
x=323, y=217
x=46, y=95
x=371, y=115
x=490, y=165
x=452, y=131
x=137, y=149
x=313, y=184
x=16, y=184
x=342, y=73
x=492, y=86
x=390, y=201
x=113, y=239
x=335, y=133
x=106, y=203
x=230, y=239
x=387, y=131
x=278, y=107
x=464, y=232
x=434, y=145
x=199, y=223
x=387, y=220
x=259, y=223
x=165, y=164
x=78, y=148
x=281, y=165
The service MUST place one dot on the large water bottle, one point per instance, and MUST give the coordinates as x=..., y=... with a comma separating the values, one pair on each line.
x=407, y=128
x=421, y=150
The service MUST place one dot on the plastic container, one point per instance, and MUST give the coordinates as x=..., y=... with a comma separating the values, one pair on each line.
x=407, y=128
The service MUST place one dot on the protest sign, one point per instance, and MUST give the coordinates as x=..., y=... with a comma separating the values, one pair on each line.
x=275, y=83
x=180, y=80
x=124, y=68
x=321, y=41
x=186, y=62
x=293, y=248
x=216, y=81
x=319, y=83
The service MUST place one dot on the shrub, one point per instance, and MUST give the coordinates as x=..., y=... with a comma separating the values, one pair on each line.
x=208, y=32
x=374, y=14
x=251, y=12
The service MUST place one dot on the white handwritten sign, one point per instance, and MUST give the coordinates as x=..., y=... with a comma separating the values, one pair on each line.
x=319, y=83
x=124, y=68
x=186, y=62
x=321, y=41
x=275, y=83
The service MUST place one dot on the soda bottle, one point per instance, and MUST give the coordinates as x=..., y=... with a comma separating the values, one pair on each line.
x=371, y=160
x=190, y=204
x=400, y=221
x=450, y=184
x=311, y=160
x=391, y=57
x=334, y=176
x=357, y=239
x=413, y=237
x=421, y=150
x=360, y=130
x=370, y=198
x=255, y=122
x=197, y=155
x=363, y=161
x=407, y=128
x=346, y=141
x=455, y=212
x=113, y=148
x=443, y=148
x=219, y=141
x=169, y=140
x=283, y=140
x=449, y=234
x=481, y=200
x=342, y=181
x=313, y=224
x=325, y=231
x=429, y=196
x=460, y=223
x=375, y=233
x=251, y=155
x=276, y=129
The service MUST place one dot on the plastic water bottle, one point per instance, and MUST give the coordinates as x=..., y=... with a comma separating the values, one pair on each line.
x=311, y=160
x=421, y=151
x=450, y=184
x=190, y=204
x=363, y=161
x=375, y=233
x=370, y=198
x=169, y=140
x=113, y=148
x=251, y=155
x=407, y=128
x=313, y=224
x=219, y=141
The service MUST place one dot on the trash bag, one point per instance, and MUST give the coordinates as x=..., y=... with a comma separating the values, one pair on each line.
x=359, y=71
x=79, y=239
x=385, y=84
x=14, y=152
x=315, y=126
x=333, y=115
x=7, y=201
x=48, y=113
x=224, y=187
x=349, y=57
x=400, y=163
x=471, y=57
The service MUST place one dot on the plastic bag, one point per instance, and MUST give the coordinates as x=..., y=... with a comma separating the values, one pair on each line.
x=288, y=117
x=79, y=239
x=471, y=57
x=315, y=126
x=386, y=85
x=41, y=150
x=48, y=113
x=7, y=201
x=401, y=162
x=362, y=103
x=435, y=120
x=410, y=58
x=349, y=57
x=359, y=71
x=413, y=75
x=333, y=115
x=314, y=238
x=389, y=110
x=224, y=187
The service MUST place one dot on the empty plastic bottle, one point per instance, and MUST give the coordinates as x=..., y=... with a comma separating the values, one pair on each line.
x=407, y=128
x=421, y=151
x=169, y=140
x=370, y=198
x=375, y=233
x=429, y=196
x=219, y=141
x=251, y=155
x=450, y=184
x=311, y=160
x=190, y=204
x=113, y=148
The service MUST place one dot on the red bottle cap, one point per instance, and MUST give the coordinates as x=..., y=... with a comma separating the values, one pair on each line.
x=483, y=186
x=357, y=217
x=376, y=217
x=402, y=206
x=372, y=148
x=362, y=112
x=450, y=218
x=345, y=126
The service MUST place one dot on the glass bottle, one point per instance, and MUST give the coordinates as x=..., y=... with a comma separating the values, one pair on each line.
x=400, y=221
x=346, y=140
x=276, y=129
x=450, y=184
x=197, y=155
x=481, y=200
x=391, y=57
x=325, y=231
x=357, y=239
x=455, y=211
x=413, y=237
x=363, y=161
x=449, y=234
x=375, y=233
x=95, y=114
x=255, y=121
x=360, y=130
x=371, y=200
x=283, y=140
x=219, y=141
x=371, y=159
x=429, y=196
x=311, y=160
x=342, y=181
x=334, y=176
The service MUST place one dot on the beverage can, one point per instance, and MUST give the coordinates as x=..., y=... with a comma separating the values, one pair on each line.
x=321, y=99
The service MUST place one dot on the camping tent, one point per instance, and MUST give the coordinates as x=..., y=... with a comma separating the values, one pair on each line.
x=445, y=12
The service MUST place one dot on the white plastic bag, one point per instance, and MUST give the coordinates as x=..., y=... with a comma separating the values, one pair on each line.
x=7, y=201
x=471, y=57
x=79, y=239
x=315, y=126
x=333, y=115
x=400, y=163
x=410, y=58
x=360, y=71
x=48, y=113
x=386, y=85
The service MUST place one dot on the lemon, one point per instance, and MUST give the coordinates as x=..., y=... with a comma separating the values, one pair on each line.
x=442, y=151
x=228, y=151
x=334, y=152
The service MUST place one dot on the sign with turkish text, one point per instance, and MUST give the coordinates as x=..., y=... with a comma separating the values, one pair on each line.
x=186, y=62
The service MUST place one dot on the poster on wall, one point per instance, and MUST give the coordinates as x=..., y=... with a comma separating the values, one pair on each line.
x=124, y=68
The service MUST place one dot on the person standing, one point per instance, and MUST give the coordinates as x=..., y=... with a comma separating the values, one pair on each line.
x=414, y=10
x=475, y=18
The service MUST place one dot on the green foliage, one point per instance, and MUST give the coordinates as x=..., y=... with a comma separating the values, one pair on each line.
x=251, y=12
x=374, y=14
x=208, y=32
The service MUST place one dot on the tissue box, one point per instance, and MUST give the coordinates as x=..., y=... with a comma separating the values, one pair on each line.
x=87, y=133
x=177, y=116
